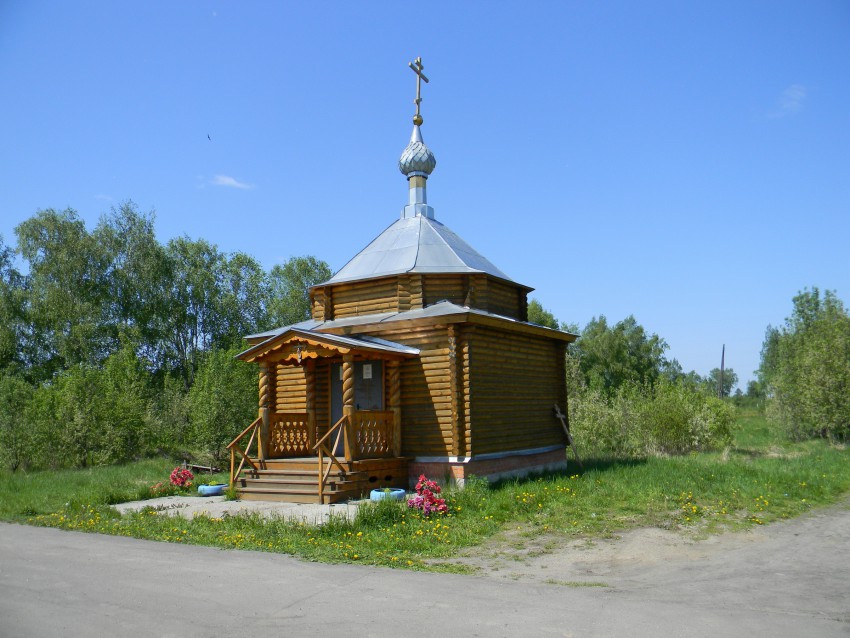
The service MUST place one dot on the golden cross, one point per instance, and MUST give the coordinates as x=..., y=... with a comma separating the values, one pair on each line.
x=417, y=69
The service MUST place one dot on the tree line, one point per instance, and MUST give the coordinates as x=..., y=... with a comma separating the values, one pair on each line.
x=114, y=345
x=611, y=356
x=628, y=399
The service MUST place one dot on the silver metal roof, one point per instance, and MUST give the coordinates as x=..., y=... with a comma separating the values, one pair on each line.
x=440, y=309
x=359, y=341
x=416, y=245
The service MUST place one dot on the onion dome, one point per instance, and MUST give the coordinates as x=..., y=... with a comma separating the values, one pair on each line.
x=417, y=159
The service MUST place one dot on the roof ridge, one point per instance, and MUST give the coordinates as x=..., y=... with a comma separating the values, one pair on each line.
x=418, y=245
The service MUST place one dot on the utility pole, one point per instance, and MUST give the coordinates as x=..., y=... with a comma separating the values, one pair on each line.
x=722, y=366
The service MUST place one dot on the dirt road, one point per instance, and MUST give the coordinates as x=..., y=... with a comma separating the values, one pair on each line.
x=787, y=579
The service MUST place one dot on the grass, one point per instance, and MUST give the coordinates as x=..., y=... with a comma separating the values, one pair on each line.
x=575, y=583
x=761, y=479
x=24, y=495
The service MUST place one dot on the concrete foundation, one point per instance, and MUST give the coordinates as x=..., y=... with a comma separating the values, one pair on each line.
x=488, y=466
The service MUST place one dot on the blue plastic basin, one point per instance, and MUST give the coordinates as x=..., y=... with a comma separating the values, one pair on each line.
x=212, y=490
x=394, y=493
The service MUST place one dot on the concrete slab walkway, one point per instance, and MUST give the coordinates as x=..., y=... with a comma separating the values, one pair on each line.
x=218, y=506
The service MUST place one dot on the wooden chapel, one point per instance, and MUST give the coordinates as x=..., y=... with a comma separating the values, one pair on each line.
x=418, y=358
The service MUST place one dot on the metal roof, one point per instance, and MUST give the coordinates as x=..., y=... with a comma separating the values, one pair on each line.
x=440, y=309
x=360, y=342
x=416, y=245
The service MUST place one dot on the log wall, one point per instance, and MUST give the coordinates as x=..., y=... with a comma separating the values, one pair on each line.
x=317, y=304
x=515, y=380
x=365, y=298
x=409, y=290
x=290, y=389
x=412, y=291
x=426, y=397
x=507, y=300
x=451, y=288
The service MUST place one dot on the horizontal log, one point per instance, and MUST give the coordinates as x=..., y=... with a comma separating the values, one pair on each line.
x=362, y=294
x=345, y=288
x=390, y=301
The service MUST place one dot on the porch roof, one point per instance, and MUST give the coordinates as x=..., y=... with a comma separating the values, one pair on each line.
x=293, y=344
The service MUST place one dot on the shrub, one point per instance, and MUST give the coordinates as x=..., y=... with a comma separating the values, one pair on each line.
x=604, y=424
x=87, y=415
x=16, y=435
x=222, y=401
x=635, y=421
x=675, y=419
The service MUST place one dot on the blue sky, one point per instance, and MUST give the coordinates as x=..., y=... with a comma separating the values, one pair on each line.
x=685, y=162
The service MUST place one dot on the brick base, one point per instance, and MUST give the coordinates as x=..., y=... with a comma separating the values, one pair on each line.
x=508, y=466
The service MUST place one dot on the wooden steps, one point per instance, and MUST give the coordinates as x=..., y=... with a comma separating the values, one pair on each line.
x=297, y=480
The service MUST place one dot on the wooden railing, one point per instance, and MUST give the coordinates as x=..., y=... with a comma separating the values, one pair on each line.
x=289, y=435
x=234, y=448
x=366, y=434
x=372, y=434
x=324, y=449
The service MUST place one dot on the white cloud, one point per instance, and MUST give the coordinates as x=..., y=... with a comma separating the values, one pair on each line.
x=103, y=198
x=226, y=180
x=791, y=101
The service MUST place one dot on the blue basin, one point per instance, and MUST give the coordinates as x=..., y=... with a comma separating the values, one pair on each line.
x=394, y=493
x=212, y=490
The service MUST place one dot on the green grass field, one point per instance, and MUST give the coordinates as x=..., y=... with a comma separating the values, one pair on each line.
x=760, y=479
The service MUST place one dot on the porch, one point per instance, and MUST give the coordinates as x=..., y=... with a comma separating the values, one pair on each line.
x=297, y=455
x=353, y=457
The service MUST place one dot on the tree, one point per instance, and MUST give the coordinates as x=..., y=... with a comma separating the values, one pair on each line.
x=15, y=433
x=755, y=390
x=806, y=367
x=538, y=315
x=125, y=398
x=769, y=356
x=66, y=291
x=12, y=323
x=244, y=299
x=222, y=401
x=610, y=357
x=289, y=286
x=137, y=278
x=207, y=297
x=712, y=381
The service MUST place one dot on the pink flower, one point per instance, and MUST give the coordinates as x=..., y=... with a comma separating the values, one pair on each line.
x=181, y=477
x=426, y=499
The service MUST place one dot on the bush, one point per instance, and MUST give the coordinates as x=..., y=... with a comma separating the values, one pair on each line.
x=88, y=415
x=637, y=420
x=676, y=419
x=604, y=424
x=170, y=423
x=16, y=437
x=222, y=402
